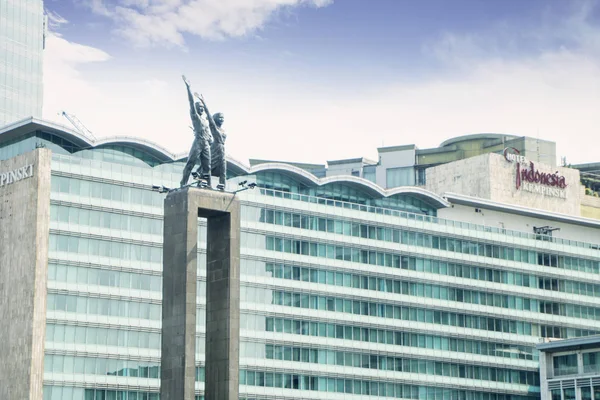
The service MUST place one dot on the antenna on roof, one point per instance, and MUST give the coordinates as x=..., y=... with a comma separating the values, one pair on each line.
x=79, y=126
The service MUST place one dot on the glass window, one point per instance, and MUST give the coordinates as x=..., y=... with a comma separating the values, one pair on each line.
x=404, y=176
x=586, y=393
x=591, y=362
x=569, y=394
x=565, y=365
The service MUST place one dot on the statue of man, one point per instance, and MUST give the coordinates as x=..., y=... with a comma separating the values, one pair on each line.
x=217, y=149
x=200, y=150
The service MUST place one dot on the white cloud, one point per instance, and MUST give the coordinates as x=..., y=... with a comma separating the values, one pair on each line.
x=64, y=84
x=55, y=20
x=145, y=108
x=553, y=95
x=62, y=51
x=136, y=3
x=165, y=22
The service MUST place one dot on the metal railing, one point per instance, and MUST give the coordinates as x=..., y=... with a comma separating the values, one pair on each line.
x=422, y=217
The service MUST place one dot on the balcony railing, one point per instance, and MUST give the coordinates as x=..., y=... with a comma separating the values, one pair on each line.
x=422, y=217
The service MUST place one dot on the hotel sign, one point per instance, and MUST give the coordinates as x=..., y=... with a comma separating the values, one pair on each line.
x=8, y=177
x=534, y=181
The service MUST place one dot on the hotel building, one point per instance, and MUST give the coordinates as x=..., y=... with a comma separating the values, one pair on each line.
x=353, y=286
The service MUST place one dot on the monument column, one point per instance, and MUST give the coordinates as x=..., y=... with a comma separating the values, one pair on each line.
x=222, y=211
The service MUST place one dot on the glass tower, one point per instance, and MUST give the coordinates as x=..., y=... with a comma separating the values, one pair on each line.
x=21, y=59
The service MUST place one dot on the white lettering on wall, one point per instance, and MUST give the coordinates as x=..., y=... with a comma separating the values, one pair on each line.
x=544, y=190
x=515, y=158
x=6, y=178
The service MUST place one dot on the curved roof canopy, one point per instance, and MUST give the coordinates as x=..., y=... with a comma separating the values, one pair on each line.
x=32, y=125
x=362, y=184
x=145, y=146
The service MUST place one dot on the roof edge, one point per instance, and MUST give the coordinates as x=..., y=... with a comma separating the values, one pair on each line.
x=477, y=136
x=516, y=209
x=567, y=344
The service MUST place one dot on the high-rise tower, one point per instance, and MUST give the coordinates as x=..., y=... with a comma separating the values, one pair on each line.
x=22, y=27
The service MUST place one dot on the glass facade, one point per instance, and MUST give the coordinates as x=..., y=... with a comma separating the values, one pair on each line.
x=21, y=58
x=343, y=295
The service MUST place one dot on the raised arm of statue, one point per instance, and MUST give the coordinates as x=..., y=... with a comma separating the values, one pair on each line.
x=211, y=121
x=189, y=92
x=213, y=127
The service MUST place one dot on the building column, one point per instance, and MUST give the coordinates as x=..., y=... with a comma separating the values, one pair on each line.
x=24, y=242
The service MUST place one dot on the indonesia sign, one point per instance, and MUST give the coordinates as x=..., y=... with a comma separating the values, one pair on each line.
x=530, y=179
x=8, y=177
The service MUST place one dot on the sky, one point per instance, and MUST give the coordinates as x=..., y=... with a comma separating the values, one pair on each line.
x=318, y=80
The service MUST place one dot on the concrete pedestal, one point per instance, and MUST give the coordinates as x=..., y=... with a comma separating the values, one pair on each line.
x=222, y=210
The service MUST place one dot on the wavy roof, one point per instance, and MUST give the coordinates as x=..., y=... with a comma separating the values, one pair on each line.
x=30, y=125
x=359, y=183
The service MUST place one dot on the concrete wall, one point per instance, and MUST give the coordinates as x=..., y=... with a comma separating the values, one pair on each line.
x=504, y=189
x=24, y=230
x=590, y=207
x=491, y=177
x=470, y=177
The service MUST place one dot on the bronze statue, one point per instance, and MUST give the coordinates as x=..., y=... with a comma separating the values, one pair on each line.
x=217, y=149
x=203, y=139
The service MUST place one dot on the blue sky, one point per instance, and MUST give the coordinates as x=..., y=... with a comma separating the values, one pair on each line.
x=316, y=80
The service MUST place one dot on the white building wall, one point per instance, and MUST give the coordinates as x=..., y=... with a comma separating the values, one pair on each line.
x=492, y=177
x=515, y=222
x=394, y=157
x=470, y=177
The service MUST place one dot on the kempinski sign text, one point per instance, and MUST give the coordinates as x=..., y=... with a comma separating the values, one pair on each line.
x=6, y=178
x=534, y=181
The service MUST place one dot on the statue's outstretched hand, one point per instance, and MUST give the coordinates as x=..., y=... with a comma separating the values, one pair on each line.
x=187, y=83
x=199, y=97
